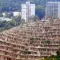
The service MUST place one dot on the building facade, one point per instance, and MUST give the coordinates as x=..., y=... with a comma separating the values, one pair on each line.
x=52, y=10
x=27, y=10
x=32, y=41
x=16, y=14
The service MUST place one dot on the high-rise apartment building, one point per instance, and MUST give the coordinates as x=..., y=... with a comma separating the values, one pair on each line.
x=53, y=9
x=27, y=10
x=30, y=42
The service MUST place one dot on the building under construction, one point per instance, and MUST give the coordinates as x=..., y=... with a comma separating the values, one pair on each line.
x=30, y=41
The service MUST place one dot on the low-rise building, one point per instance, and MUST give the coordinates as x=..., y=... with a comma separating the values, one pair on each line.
x=5, y=19
x=16, y=13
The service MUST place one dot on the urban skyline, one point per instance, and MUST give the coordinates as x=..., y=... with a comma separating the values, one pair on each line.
x=26, y=39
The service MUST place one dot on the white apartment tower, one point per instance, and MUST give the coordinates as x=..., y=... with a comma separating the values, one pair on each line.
x=52, y=10
x=27, y=10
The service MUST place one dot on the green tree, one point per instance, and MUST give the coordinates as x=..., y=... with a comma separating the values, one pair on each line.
x=58, y=52
x=47, y=41
x=34, y=18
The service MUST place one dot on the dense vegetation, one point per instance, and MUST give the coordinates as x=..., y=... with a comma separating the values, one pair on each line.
x=15, y=21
